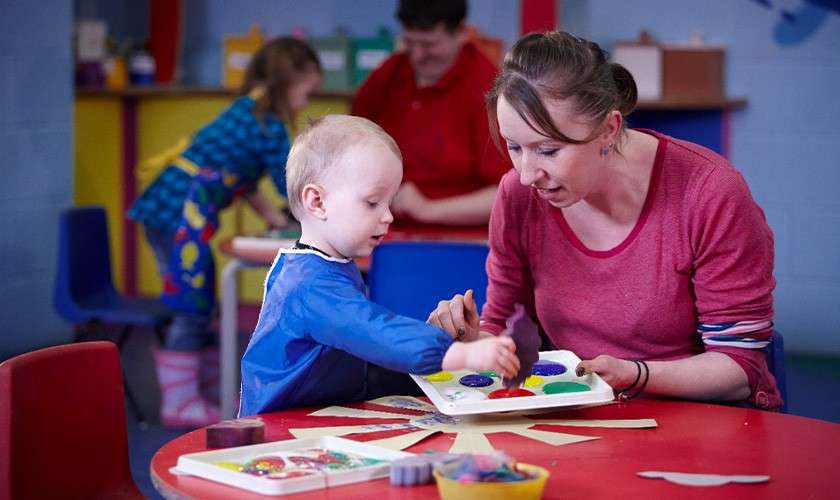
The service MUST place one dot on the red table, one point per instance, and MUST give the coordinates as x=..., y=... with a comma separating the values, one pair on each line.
x=799, y=454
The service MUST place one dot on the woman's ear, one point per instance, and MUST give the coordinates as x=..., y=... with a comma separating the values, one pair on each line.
x=313, y=197
x=612, y=127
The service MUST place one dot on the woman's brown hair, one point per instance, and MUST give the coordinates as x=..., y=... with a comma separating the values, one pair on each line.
x=557, y=66
x=275, y=66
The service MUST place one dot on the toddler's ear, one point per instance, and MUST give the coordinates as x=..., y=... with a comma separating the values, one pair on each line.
x=313, y=201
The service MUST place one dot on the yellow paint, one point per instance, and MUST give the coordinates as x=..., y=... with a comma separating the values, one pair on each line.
x=533, y=381
x=98, y=157
x=439, y=377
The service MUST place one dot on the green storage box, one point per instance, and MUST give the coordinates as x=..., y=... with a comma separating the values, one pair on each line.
x=369, y=53
x=334, y=53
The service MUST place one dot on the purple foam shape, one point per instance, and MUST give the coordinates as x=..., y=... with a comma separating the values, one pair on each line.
x=522, y=329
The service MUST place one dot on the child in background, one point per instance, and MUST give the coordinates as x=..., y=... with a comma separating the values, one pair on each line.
x=318, y=335
x=179, y=210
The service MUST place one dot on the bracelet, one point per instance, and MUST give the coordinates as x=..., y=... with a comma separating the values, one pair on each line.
x=624, y=396
x=638, y=375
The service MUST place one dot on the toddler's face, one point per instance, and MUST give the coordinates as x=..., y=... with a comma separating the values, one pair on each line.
x=358, y=198
x=301, y=88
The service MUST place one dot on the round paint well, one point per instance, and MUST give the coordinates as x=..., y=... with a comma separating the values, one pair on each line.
x=489, y=373
x=564, y=387
x=439, y=377
x=548, y=368
x=509, y=393
x=474, y=380
x=534, y=381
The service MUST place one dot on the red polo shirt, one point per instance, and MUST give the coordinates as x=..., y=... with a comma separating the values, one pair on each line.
x=441, y=130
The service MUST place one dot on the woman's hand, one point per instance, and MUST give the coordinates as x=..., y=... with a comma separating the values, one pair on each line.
x=619, y=373
x=496, y=353
x=410, y=202
x=457, y=316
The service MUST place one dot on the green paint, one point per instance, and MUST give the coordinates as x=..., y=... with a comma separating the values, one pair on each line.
x=564, y=387
x=489, y=373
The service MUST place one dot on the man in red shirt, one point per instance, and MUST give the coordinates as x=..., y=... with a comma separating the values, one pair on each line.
x=430, y=99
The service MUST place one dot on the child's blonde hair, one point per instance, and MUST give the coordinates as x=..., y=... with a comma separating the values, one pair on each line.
x=318, y=149
x=276, y=65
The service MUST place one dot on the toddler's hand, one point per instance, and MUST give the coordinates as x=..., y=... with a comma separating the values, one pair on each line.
x=497, y=354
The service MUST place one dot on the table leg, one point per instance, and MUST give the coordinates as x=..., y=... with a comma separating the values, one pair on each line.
x=229, y=340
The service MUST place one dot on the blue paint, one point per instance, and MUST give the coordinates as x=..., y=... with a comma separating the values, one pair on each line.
x=474, y=380
x=548, y=368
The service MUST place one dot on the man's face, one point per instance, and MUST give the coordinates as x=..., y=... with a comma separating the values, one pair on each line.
x=432, y=52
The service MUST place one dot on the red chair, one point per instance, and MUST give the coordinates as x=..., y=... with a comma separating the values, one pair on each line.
x=62, y=424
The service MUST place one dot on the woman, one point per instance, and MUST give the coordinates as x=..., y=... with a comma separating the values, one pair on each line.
x=644, y=254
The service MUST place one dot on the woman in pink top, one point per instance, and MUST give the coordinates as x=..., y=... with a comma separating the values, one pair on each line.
x=644, y=254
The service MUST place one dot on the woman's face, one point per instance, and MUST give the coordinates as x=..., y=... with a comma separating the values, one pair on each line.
x=301, y=88
x=561, y=173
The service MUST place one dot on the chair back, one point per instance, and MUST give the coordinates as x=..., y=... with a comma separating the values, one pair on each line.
x=775, y=353
x=62, y=424
x=84, y=260
x=411, y=277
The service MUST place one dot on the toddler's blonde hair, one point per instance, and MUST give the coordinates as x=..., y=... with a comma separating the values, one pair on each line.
x=319, y=149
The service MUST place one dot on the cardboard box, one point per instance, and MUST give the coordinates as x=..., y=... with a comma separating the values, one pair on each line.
x=693, y=72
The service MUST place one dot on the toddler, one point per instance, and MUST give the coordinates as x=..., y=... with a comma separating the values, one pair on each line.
x=318, y=335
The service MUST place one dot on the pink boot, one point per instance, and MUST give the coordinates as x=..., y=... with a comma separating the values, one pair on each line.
x=209, y=374
x=181, y=404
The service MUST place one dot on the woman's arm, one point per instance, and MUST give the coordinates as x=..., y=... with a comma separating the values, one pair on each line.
x=462, y=210
x=706, y=376
x=267, y=210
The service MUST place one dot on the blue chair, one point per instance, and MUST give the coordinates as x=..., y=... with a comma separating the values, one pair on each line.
x=411, y=277
x=84, y=291
x=775, y=353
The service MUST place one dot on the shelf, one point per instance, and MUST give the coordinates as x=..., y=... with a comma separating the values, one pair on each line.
x=184, y=91
x=692, y=104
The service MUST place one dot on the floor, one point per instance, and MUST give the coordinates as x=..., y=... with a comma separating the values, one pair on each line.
x=812, y=383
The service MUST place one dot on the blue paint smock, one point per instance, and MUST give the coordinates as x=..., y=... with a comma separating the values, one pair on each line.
x=318, y=332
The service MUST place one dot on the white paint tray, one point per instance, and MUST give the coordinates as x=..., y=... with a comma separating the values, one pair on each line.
x=203, y=464
x=599, y=391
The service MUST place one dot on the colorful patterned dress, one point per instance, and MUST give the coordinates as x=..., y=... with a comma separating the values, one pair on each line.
x=224, y=160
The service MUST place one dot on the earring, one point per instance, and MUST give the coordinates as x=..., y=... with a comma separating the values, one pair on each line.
x=606, y=150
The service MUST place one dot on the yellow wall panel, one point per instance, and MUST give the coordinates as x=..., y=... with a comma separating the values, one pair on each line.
x=98, y=157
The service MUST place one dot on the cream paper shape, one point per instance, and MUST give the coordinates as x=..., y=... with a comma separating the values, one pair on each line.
x=470, y=430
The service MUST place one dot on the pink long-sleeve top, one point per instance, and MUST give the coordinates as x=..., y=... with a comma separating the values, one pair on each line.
x=695, y=273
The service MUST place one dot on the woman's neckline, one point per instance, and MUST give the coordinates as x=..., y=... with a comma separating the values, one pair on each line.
x=643, y=215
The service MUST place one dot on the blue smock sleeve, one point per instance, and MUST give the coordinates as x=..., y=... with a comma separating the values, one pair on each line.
x=341, y=316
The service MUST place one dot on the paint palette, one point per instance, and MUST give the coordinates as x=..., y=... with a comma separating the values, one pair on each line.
x=292, y=466
x=552, y=383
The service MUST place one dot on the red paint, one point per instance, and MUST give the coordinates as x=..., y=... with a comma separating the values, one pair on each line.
x=537, y=15
x=509, y=393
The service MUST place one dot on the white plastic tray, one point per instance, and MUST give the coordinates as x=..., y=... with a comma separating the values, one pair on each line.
x=203, y=464
x=600, y=391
